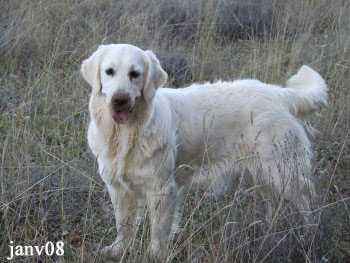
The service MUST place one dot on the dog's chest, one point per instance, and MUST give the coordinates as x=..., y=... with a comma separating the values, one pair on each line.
x=121, y=162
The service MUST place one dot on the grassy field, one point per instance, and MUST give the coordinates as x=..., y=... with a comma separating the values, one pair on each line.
x=49, y=186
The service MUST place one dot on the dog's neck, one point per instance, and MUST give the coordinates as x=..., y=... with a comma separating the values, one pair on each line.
x=120, y=139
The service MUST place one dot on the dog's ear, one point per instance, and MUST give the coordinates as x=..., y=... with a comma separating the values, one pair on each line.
x=155, y=76
x=90, y=69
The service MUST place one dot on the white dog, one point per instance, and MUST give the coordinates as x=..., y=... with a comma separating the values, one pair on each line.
x=150, y=142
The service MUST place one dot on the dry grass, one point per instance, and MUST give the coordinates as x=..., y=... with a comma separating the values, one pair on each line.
x=50, y=189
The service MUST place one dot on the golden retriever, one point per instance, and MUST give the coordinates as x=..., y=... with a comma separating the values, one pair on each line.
x=150, y=141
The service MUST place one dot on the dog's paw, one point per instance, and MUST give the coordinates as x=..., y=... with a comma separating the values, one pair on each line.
x=153, y=257
x=112, y=253
x=156, y=253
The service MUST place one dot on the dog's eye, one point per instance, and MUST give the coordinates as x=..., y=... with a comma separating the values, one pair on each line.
x=134, y=74
x=110, y=72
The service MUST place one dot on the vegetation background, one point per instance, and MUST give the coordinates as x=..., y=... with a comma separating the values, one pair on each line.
x=49, y=186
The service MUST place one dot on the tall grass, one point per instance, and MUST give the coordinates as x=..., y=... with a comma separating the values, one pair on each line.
x=50, y=189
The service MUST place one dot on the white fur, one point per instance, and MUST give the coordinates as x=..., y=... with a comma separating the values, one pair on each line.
x=202, y=133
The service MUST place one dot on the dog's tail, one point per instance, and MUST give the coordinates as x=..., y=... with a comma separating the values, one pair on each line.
x=307, y=91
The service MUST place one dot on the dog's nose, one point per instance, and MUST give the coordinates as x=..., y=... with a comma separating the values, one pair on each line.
x=121, y=102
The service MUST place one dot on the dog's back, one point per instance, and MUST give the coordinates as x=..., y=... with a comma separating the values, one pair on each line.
x=227, y=127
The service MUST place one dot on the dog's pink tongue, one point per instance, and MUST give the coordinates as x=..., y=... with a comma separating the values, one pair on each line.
x=120, y=117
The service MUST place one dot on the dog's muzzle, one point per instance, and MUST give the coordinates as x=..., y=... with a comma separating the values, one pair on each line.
x=121, y=106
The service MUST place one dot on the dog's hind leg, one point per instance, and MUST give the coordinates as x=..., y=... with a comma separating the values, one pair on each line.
x=284, y=180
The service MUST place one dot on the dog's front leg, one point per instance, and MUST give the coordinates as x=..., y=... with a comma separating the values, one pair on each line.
x=162, y=204
x=125, y=211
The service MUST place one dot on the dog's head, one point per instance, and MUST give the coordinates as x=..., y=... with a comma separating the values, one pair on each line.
x=124, y=74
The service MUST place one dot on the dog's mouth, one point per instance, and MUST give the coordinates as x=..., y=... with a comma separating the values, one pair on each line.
x=120, y=117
